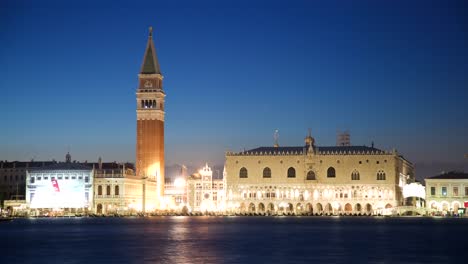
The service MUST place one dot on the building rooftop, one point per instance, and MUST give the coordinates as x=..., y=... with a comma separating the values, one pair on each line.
x=325, y=150
x=452, y=175
x=64, y=166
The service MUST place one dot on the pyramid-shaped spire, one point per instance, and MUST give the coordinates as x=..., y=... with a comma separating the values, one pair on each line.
x=150, y=59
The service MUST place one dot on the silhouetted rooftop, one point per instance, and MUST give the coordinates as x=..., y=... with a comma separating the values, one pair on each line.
x=452, y=175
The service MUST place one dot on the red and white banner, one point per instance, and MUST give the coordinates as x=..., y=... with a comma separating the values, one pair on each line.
x=55, y=185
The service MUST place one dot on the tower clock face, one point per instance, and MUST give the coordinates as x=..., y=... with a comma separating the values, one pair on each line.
x=148, y=84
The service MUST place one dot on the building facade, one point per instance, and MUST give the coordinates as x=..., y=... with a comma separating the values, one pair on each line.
x=447, y=193
x=205, y=194
x=117, y=190
x=313, y=179
x=60, y=188
x=13, y=178
x=150, y=119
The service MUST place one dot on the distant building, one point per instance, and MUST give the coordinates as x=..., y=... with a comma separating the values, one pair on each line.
x=206, y=194
x=316, y=179
x=343, y=139
x=447, y=192
x=175, y=194
x=65, y=187
x=117, y=190
x=13, y=178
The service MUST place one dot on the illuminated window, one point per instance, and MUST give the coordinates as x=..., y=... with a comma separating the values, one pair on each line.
x=355, y=176
x=455, y=191
x=444, y=191
x=99, y=190
x=243, y=173
x=381, y=176
x=311, y=175
x=433, y=191
x=266, y=172
x=291, y=173
x=331, y=173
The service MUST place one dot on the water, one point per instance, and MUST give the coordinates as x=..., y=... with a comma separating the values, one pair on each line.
x=234, y=240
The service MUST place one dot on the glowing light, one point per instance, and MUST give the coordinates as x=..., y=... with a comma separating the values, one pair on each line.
x=414, y=190
x=179, y=183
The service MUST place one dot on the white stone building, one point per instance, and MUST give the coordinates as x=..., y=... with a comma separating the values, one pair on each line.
x=60, y=188
x=117, y=190
x=205, y=194
x=447, y=193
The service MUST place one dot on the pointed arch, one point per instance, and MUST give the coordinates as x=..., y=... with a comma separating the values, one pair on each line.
x=266, y=172
x=381, y=175
x=311, y=175
x=243, y=173
x=331, y=173
x=291, y=172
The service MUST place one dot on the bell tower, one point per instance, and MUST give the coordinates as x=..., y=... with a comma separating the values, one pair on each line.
x=150, y=119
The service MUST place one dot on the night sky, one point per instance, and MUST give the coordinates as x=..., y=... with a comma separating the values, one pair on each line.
x=393, y=73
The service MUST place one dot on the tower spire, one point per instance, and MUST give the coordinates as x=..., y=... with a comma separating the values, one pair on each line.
x=150, y=59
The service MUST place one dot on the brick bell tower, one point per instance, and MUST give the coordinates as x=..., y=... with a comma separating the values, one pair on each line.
x=150, y=119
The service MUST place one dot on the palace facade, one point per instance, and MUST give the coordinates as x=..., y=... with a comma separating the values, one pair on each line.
x=316, y=179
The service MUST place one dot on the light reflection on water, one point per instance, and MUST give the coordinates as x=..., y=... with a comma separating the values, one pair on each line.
x=233, y=240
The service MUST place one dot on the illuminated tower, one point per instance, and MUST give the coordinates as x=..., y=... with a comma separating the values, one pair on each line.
x=150, y=119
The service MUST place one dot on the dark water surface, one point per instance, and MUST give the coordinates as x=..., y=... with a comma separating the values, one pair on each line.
x=234, y=240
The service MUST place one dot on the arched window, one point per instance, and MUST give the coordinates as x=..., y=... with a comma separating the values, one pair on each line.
x=99, y=190
x=108, y=190
x=291, y=173
x=381, y=175
x=266, y=172
x=331, y=172
x=243, y=173
x=154, y=103
x=116, y=191
x=355, y=176
x=311, y=175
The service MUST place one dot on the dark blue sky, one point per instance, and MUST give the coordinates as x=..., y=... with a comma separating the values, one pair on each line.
x=394, y=73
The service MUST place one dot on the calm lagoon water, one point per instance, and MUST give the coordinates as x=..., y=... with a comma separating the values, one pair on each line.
x=235, y=240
